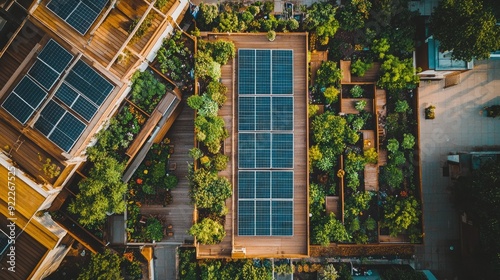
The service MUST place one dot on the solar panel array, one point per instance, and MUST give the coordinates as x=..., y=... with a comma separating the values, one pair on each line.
x=265, y=142
x=33, y=88
x=79, y=14
x=82, y=92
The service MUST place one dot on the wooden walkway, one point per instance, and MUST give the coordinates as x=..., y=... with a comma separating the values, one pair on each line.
x=381, y=100
x=345, y=67
x=371, y=177
x=180, y=212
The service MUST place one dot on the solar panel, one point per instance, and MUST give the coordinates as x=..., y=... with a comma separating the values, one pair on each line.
x=265, y=150
x=76, y=101
x=89, y=83
x=59, y=125
x=43, y=74
x=55, y=56
x=79, y=14
x=265, y=203
x=24, y=99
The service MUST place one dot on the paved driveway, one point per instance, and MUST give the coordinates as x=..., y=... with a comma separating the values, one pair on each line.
x=459, y=126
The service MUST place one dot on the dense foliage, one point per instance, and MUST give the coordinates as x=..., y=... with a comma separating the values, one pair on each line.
x=467, y=28
x=208, y=231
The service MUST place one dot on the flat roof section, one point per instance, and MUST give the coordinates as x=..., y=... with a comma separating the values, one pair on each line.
x=266, y=116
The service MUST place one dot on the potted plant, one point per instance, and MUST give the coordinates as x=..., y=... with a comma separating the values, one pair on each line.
x=271, y=35
x=429, y=112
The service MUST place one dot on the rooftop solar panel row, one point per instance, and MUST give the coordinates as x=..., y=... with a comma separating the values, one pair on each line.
x=265, y=142
x=24, y=99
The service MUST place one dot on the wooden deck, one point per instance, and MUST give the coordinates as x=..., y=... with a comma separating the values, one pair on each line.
x=332, y=205
x=269, y=246
x=317, y=57
x=180, y=213
x=381, y=113
x=345, y=67
x=371, y=75
x=371, y=177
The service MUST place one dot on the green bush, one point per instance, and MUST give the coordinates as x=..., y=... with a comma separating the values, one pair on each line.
x=328, y=75
x=408, y=141
x=371, y=155
x=208, y=231
x=392, y=175
x=222, y=51
x=195, y=153
x=312, y=110
x=153, y=230
x=358, y=123
x=401, y=106
x=392, y=145
x=217, y=92
x=357, y=91
x=331, y=95
x=359, y=68
x=360, y=105
x=220, y=162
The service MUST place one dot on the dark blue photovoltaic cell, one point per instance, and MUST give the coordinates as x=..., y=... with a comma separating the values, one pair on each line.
x=262, y=113
x=282, y=113
x=282, y=218
x=263, y=72
x=55, y=56
x=246, y=186
x=246, y=74
x=263, y=150
x=43, y=74
x=88, y=82
x=262, y=184
x=49, y=117
x=24, y=100
x=246, y=113
x=96, y=5
x=246, y=217
x=282, y=150
x=282, y=183
x=282, y=73
x=262, y=217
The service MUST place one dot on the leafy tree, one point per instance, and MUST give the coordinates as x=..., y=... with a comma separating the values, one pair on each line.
x=354, y=14
x=208, y=13
x=328, y=75
x=313, y=109
x=211, y=131
x=208, y=231
x=397, y=158
x=217, y=92
x=268, y=7
x=222, y=51
x=220, y=161
x=331, y=95
x=329, y=230
x=209, y=190
x=330, y=129
x=397, y=74
x=100, y=193
x=206, y=67
x=321, y=19
x=102, y=267
x=400, y=214
x=466, y=27
x=228, y=22
x=247, y=16
x=381, y=47
x=293, y=24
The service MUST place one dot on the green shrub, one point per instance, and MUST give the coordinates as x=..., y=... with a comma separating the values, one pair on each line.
x=370, y=224
x=358, y=123
x=360, y=105
x=195, y=102
x=312, y=110
x=208, y=231
x=328, y=75
x=408, y=141
x=195, y=153
x=331, y=95
x=220, y=162
x=154, y=230
x=392, y=145
x=359, y=68
x=148, y=189
x=357, y=91
x=401, y=106
x=371, y=155
x=222, y=51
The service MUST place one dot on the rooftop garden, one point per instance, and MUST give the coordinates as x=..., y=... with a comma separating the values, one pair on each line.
x=209, y=190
